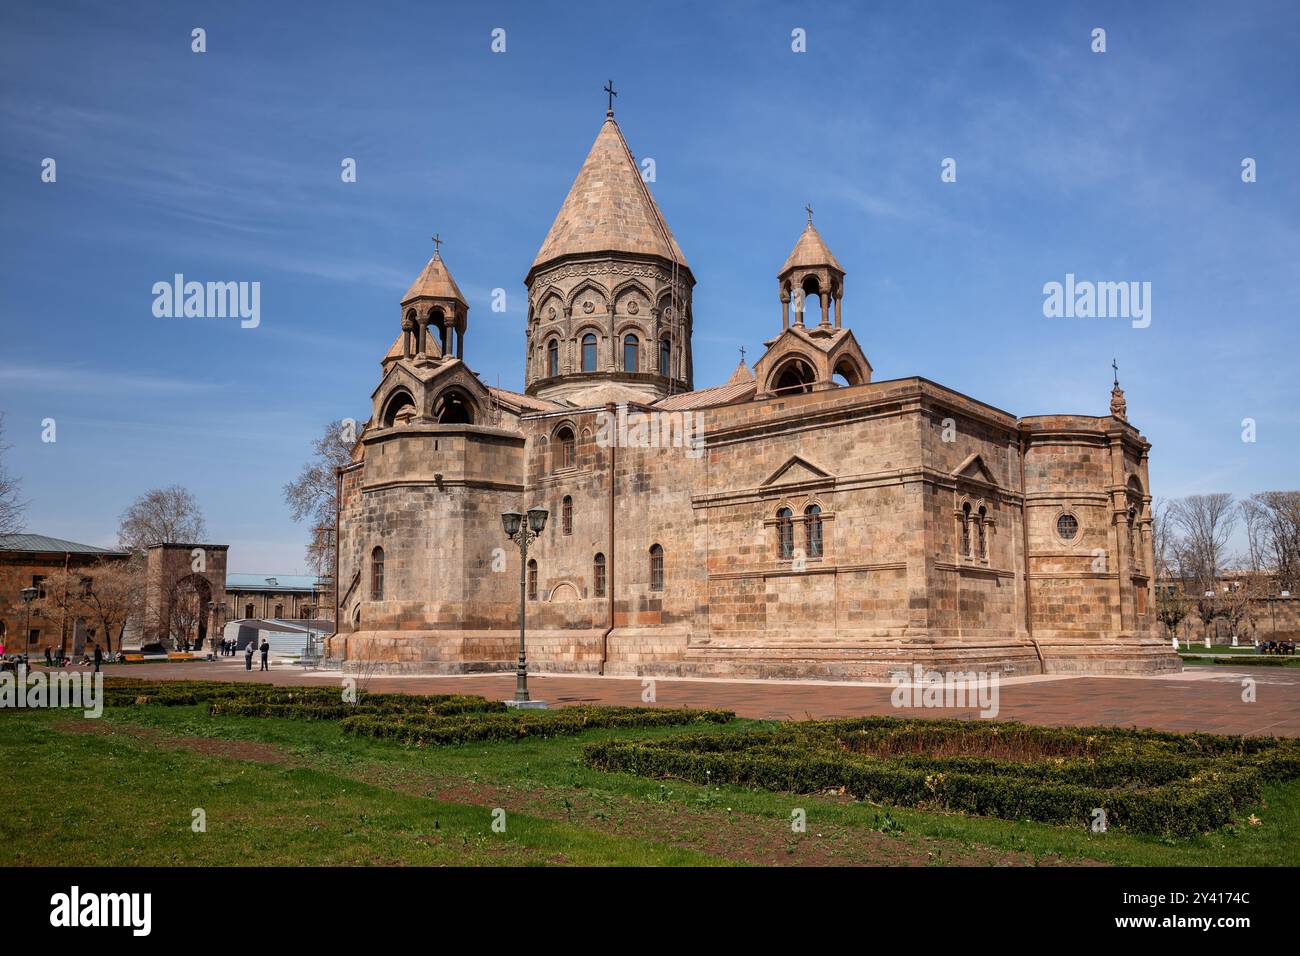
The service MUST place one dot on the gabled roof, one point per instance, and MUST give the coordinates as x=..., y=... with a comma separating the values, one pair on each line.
x=609, y=207
x=525, y=403
x=810, y=250
x=974, y=466
x=730, y=393
x=798, y=469
x=43, y=544
x=434, y=281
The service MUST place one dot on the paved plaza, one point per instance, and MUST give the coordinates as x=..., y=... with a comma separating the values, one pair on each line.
x=1201, y=698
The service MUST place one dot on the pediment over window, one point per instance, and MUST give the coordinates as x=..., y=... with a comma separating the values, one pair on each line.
x=798, y=471
x=974, y=469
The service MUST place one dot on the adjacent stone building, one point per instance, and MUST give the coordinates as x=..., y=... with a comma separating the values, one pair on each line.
x=277, y=596
x=184, y=594
x=797, y=520
x=26, y=561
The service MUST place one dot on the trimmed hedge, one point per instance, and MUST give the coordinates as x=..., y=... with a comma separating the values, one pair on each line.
x=429, y=720
x=338, y=711
x=519, y=725
x=269, y=700
x=1146, y=781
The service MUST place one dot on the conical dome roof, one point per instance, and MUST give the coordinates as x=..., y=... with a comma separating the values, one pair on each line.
x=810, y=251
x=743, y=373
x=434, y=282
x=609, y=207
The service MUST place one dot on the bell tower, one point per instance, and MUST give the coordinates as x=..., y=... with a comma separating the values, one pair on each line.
x=809, y=270
x=804, y=357
x=434, y=314
x=609, y=293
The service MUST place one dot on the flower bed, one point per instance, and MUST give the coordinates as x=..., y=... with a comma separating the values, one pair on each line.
x=1144, y=781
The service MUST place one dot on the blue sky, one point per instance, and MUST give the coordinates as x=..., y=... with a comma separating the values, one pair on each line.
x=1122, y=166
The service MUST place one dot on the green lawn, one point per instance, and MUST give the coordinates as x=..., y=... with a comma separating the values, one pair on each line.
x=121, y=790
x=1241, y=660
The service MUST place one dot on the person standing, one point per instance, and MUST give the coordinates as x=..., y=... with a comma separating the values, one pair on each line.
x=248, y=655
x=266, y=649
x=99, y=656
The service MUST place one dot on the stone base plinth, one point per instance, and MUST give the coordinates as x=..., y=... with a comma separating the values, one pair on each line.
x=668, y=652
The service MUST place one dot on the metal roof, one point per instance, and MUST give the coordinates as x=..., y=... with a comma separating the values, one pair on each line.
x=270, y=582
x=283, y=625
x=44, y=544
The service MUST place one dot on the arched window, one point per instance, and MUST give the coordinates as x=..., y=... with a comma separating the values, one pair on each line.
x=589, y=352
x=598, y=575
x=656, y=568
x=982, y=531
x=399, y=407
x=377, y=574
x=248, y=611
x=438, y=320
x=453, y=407
x=279, y=611
x=785, y=534
x=813, y=530
x=532, y=579
x=965, y=530
x=564, y=453
x=553, y=358
x=794, y=376
x=665, y=353
x=1132, y=549
x=631, y=353
x=566, y=515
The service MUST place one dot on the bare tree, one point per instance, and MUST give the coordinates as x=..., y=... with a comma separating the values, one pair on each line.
x=185, y=611
x=1172, y=607
x=159, y=516
x=1163, y=539
x=113, y=596
x=1237, y=600
x=1206, y=523
x=104, y=595
x=1276, y=529
x=313, y=495
x=60, y=600
x=11, y=506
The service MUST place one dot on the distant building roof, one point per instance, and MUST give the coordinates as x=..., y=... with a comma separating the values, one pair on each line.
x=283, y=626
x=270, y=582
x=44, y=544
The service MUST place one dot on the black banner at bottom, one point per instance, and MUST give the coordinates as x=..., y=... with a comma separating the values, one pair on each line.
x=215, y=905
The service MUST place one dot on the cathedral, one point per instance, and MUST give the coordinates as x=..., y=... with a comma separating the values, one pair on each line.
x=799, y=520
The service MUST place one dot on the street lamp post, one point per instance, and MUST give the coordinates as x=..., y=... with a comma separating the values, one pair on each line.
x=523, y=531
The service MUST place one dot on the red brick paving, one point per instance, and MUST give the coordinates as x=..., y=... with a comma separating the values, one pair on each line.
x=1206, y=698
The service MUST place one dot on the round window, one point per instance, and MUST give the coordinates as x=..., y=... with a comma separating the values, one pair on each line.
x=1067, y=526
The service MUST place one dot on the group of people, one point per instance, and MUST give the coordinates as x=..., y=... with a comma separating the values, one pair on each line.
x=1276, y=647
x=230, y=649
x=57, y=658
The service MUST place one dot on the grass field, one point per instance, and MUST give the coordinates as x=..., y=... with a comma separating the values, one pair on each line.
x=122, y=790
x=1241, y=660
